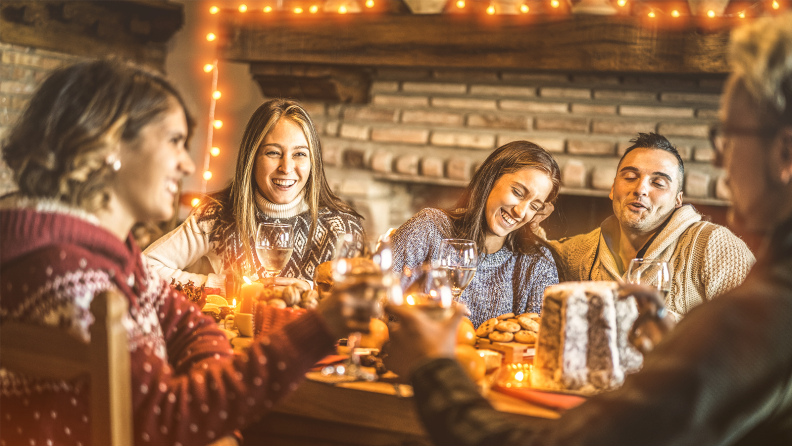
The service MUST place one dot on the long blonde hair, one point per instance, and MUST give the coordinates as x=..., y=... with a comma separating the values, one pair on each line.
x=242, y=188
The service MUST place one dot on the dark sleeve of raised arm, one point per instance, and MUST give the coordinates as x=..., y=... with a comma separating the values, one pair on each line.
x=722, y=372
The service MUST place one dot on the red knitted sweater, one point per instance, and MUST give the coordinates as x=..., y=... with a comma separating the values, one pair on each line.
x=188, y=388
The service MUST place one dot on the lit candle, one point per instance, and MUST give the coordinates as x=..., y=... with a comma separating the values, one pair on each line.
x=248, y=294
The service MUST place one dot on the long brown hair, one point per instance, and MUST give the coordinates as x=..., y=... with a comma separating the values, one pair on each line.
x=76, y=118
x=468, y=215
x=241, y=206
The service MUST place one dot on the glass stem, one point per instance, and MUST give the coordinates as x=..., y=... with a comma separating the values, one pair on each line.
x=353, y=340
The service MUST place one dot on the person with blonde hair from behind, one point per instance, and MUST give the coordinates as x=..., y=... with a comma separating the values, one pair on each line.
x=279, y=179
x=723, y=376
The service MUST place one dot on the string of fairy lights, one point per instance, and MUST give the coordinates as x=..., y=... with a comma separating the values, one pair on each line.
x=650, y=9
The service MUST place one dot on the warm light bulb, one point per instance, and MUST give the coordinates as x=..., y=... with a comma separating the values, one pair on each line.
x=710, y=13
x=554, y=3
x=208, y=67
x=242, y=8
x=675, y=13
x=298, y=10
x=776, y=5
x=217, y=124
x=369, y=3
x=622, y=3
x=342, y=9
x=268, y=9
x=207, y=175
x=491, y=10
x=651, y=14
x=460, y=4
x=524, y=8
x=211, y=37
x=215, y=151
x=195, y=202
x=214, y=10
x=216, y=95
x=742, y=14
x=313, y=9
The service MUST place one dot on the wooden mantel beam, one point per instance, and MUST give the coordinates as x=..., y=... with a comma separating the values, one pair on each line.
x=576, y=43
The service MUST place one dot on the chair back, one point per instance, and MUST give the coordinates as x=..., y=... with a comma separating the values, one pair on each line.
x=47, y=352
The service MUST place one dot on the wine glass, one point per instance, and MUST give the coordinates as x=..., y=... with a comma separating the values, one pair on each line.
x=459, y=258
x=655, y=274
x=651, y=272
x=274, y=246
x=361, y=287
x=430, y=291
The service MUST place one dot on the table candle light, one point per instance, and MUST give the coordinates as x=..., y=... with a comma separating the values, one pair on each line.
x=248, y=294
x=517, y=375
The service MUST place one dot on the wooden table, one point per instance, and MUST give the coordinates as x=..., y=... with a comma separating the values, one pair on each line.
x=369, y=414
x=357, y=414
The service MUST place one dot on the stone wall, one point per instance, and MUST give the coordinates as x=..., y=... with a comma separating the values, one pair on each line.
x=432, y=128
x=21, y=71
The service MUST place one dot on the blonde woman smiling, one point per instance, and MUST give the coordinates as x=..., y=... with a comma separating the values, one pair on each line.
x=280, y=179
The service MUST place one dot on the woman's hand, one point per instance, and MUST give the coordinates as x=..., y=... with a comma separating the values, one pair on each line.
x=653, y=321
x=416, y=337
x=540, y=216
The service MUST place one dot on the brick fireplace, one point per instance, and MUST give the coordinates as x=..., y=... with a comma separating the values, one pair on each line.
x=424, y=132
x=409, y=106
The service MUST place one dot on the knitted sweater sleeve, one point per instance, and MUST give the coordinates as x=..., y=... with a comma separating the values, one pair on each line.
x=417, y=240
x=206, y=391
x=726, y=262
x=182, y=247
x=542, y=273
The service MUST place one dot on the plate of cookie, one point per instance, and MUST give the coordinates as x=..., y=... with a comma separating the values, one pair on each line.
x=515, y=336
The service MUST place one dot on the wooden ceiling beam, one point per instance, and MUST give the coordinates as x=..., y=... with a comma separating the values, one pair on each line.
x=574, y=43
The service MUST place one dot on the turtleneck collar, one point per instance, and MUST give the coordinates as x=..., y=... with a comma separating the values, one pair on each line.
x=281, y=211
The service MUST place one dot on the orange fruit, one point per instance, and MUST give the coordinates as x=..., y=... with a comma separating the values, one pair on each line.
x=216, y=299
x=466, y=334
x=470, y=360
x=377, y=335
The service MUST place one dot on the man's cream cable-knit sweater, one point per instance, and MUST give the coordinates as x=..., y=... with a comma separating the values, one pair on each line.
x=705, y=259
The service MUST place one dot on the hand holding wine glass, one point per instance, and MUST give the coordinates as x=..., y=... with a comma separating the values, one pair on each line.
x=358, y=284
x=651, y=272
x=274, y=246
x=459, y=258
x=649, y=282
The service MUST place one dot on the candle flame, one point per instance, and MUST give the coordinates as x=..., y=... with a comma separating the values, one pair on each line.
x=233, y=304
x=518, y=376
x=247, y=281
x=410, y=300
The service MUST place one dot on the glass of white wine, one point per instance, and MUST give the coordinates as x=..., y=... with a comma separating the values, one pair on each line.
x=430, y=292
x=274, y=246
x=459, y=258
x=651, y=272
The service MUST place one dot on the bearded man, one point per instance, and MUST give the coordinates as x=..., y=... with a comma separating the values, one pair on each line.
x=650, y=221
